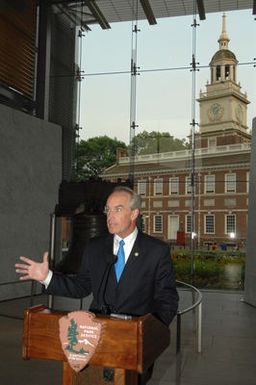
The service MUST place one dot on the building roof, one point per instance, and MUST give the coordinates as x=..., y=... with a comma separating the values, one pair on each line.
x=223, y=55
x=219, y=157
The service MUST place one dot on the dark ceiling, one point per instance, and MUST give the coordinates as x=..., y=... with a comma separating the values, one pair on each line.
x=105, y=12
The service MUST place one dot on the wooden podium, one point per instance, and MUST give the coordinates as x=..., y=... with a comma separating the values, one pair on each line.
x=129, y=346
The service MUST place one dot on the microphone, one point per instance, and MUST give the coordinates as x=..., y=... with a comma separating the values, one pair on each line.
x=111, y=260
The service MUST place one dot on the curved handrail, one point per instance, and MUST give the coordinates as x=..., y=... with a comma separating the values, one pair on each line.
x=197, y=304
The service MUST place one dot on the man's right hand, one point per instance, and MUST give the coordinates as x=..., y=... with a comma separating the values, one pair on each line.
x=30, y=269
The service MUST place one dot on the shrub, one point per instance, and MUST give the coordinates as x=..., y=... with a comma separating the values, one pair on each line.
x=208, y=267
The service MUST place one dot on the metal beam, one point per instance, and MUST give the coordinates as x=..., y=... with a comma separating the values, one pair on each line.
x=201, y=10
x=148, y=11
x=254, y=7
x=96, y=12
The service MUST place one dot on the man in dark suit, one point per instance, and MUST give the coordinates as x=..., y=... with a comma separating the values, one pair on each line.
x=146, y=282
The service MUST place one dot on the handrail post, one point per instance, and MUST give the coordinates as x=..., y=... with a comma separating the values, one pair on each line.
x=52, y=250
x=199, y=328
x=197, y=304
x=178, y=333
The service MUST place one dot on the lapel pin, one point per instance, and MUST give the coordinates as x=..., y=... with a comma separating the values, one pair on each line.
x=136, y=254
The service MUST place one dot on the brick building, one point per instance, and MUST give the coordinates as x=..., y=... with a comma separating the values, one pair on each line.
x=200, y=193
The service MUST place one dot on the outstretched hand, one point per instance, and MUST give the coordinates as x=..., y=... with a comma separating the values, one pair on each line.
x=33, y=270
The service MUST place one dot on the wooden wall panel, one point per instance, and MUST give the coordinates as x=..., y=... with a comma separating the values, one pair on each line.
x=17, y=46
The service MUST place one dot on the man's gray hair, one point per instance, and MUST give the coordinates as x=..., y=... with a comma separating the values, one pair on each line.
x=135, y=201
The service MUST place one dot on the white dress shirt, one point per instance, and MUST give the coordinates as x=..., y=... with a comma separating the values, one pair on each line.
x=128, y=243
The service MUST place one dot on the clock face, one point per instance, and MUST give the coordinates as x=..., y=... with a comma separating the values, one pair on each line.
x=215, y=111
x=239, y=113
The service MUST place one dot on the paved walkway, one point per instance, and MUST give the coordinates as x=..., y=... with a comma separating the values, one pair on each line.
x=228, y=354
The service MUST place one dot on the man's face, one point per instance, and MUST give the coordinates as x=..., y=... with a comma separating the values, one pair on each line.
x=121, y=220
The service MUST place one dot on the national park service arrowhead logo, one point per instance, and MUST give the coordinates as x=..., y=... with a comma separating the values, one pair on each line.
x=79, y=337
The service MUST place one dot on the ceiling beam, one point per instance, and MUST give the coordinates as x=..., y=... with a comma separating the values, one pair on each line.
x=201, y=10
x=254, y=7
x=148, y=11
x=96, y=12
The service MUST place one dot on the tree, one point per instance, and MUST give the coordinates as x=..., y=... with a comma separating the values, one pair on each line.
x=155, y=142
x=72, y=335
x=95, y=155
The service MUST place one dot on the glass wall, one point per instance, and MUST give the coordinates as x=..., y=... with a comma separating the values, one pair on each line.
x=190, y=80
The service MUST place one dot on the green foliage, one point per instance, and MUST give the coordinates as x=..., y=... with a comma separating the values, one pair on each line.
x=95, y=155
x=156, y=142
x=209, y=268
x=227, y=256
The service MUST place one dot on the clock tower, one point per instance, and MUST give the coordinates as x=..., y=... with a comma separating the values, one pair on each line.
x=223, y=107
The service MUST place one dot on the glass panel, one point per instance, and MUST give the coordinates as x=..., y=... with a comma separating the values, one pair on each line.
x=231, y=225
x=209, y=184
x=158, y=223
x=174, y=185
x=158, y=186
x=230, y=183
x=141, y=188
x=209, y=224
x=186, y=89
x=188, y=223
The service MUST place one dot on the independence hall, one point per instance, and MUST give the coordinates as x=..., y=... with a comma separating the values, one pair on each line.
x=215, y=208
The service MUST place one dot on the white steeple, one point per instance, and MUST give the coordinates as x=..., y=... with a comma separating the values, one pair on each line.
x=223, y=39
x=223, y=107
x=223, y=64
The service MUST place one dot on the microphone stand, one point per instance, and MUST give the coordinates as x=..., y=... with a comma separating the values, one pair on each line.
x=105, y=309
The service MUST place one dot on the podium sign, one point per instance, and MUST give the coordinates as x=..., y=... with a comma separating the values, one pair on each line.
x=79, y=337
x=129, y=345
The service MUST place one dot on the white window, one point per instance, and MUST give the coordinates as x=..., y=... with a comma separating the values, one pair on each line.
x=158, y=186
x=230, y=183
x=209, y=224
x=188, y=223
x=158, y=223
x=141, y=187
x=188, y=185
x=230, y=224
x=209, y=184
x=174, y=185
x=247, y=181
x=144, y=222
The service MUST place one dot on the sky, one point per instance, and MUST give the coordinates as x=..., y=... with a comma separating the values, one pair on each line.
x=164, y=89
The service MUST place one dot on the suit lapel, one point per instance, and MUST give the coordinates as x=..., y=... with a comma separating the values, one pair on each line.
x=108, y=246
x=136, y=253
x=109, y=256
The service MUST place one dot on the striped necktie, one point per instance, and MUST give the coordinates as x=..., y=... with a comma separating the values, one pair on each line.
x=119, y=265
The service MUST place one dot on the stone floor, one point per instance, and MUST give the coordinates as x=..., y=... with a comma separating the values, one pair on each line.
x=227, y=357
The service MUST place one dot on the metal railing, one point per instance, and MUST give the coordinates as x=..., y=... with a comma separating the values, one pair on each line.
x=197, y=305
x=16, y=282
